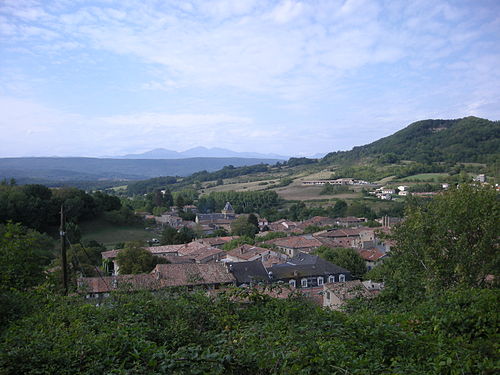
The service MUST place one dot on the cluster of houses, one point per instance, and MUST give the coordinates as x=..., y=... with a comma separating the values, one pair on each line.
x=338, y=181
x=286, y=261
x=205, y=223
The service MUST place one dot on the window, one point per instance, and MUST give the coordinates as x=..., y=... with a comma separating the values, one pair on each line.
x=341, y=278
x=327, y=295
x=320, y=280
x=303, y=283
x=331, y=279
x=292, y=283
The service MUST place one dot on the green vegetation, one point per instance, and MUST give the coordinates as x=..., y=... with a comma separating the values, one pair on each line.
x=242, y=202
x=134, y=259
x=38, y=207
x=470, y=139
x=245, y=226
x=447, y=242
x=344, y=257
x=110, y=234
x=181, y=333
x=437, y=315
x=24, y=254
x=172, y=236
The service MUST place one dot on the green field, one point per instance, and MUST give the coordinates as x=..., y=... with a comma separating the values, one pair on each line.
x=110, y=234
x=427, y=177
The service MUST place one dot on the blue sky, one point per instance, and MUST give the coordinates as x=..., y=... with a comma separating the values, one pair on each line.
x=94, y=78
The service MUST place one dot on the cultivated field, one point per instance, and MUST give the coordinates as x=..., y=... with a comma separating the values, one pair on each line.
x=109, y=234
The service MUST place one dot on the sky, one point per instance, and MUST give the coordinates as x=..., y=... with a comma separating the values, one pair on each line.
x=95, y=78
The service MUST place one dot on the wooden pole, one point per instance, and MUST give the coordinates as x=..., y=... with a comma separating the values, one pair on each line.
x=62, y=233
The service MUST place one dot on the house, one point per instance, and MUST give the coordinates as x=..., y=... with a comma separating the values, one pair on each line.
x=263, y=224
x=210, y=276
x=190, y=208
x=249, y=253
x=191, y=252
x=217, y=242
x=201, y=253
x=284, y=225
x=480, y=178
x=372, y=257
x=226, y=216
x=335, y=295
x=172, y=220
x=373, y=287
x=388, y=191
x=291, y=246
x=308, y=271
x=319, y=221
x=248, y=273
x=349, y=221
x=350, y=237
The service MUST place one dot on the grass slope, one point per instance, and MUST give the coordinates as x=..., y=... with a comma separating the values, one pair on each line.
x=110, y=234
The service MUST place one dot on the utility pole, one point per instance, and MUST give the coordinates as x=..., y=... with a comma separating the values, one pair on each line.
x=62, y=233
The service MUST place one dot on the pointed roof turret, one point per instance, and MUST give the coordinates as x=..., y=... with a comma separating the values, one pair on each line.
x=228, y=208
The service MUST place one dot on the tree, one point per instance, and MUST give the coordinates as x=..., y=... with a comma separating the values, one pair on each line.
x=449, y=241
x=252, y=219
x=24, y=253
x=340, y=208
x=241, y=227
x=179, y=202
x=171, y=236
x=344, y=257
x=135, y=259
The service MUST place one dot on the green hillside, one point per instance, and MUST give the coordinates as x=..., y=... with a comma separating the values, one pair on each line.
x=470, y=139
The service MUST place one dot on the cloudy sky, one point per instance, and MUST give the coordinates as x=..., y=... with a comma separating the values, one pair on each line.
x=93, y=78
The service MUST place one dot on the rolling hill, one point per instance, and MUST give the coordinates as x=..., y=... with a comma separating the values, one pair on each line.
x=470, y=139
x=85, y=169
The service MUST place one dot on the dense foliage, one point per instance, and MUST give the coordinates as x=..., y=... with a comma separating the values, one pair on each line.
x=165, y=333
x=151, y=185
x=24, y=254
x=449, y=241
x=344, y=257
x=242, y=202
x=470, y=139
x=38, y=207
x=134, y=259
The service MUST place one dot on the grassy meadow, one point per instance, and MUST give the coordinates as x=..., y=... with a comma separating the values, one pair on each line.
x=110, y=234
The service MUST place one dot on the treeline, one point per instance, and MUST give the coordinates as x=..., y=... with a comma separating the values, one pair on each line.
x=374, y=172
x=300, y=211
x=242, y=202
x=38, y=207
x=151, y=185
x=160, y=183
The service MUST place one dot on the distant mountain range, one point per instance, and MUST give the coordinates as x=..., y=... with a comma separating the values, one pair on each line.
x=199, y=152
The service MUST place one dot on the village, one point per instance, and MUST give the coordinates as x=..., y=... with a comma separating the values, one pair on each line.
x=288, y=261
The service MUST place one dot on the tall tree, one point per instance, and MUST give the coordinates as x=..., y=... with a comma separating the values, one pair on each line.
x=135, y=259
x=344, y=257
x=452, y=240
x=24, y=253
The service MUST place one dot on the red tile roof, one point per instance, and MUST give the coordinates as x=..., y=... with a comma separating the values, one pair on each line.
x=247, y=252
x=164, y=275
x=371, y=254
x=295, y=242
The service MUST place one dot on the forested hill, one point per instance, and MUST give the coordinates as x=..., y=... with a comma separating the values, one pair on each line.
x=470, y=139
